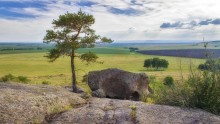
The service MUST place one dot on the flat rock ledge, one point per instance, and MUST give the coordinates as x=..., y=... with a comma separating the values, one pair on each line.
x=41, y=104
x=112, y=111
x=34, y=104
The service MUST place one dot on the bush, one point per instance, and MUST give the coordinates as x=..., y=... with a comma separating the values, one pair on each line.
x=200, y=90
x=210, y=65
x=168, y=81
x=175, y=96
x=205, y=88
x=8, y=78
x=85, y=78
x=23, y=79
x=45, y=82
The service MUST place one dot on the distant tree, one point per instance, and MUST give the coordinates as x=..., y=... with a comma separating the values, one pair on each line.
x=70, y=32
x=164, y=63
x=148, y=63
x=133, y=49
x=156, y=63
x=39, y=48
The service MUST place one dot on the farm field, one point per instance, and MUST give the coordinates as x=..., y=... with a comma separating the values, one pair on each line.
x=37, y=68
x=8, y=48
x=191, y=53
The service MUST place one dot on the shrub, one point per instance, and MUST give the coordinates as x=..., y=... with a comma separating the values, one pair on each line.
x=205, y=88
x=8, y=78
x=45, y=82
x=200, y=90
x=210, y=65
x=133, y=113
x=85, y=78
x=175, y=96
x=168, y=81
x=23, y=79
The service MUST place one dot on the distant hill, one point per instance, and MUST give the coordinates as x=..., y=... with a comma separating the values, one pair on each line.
x=216, y=41
x=211, y=44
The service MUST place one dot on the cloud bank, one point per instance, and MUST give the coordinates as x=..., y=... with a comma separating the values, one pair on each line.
x=192, y=24
x=27, y=20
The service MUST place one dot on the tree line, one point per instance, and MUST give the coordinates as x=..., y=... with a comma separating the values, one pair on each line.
x=156, y=64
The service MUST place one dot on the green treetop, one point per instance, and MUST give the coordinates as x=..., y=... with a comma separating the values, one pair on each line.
x=70, y=32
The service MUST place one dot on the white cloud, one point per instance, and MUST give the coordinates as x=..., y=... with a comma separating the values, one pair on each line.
x=144, y=26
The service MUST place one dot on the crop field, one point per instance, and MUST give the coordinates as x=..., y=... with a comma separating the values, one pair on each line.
x=191, y=53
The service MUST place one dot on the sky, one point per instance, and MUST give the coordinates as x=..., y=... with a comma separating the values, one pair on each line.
x=120, y=20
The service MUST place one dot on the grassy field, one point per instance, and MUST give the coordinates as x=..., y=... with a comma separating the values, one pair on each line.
x=37, y=68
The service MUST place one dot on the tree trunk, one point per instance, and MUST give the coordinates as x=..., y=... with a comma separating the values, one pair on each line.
x=73, y=71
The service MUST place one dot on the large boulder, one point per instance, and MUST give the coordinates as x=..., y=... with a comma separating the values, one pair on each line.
x=116, y=83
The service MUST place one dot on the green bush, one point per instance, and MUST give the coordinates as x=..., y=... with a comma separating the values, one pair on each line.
x=175, y=96
x=45, y=82
x=200, y=90
x=210, y=65
x=12, y=78
x=205, y=88
x=85, y=78
x=8, y=78
x=23, y=79
x=168, y=81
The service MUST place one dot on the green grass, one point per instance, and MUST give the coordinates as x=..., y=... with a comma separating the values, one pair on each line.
x=21, y=51
x=37, y=68
x=105, y=50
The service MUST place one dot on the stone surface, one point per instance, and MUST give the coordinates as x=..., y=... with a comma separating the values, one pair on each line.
x=26, y=104
x=109, y=111
x=33, y=104
x=117, y=83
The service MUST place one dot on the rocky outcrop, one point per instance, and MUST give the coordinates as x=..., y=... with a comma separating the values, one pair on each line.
x=109, y=111
x=26, y=104
x=33, y=104
x=116, y=83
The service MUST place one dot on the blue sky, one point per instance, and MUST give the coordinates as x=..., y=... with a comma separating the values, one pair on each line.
x=121, y=20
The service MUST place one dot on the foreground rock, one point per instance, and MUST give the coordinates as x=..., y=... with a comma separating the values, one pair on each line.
x=107, y=111
x=22, y=104
x=116, y=83
x=31, y=104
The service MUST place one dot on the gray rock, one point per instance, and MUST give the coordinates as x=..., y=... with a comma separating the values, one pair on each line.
x=99, y=93
x=30, y=104
x=113, y=111
x=117, y=83
x=27, y=104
